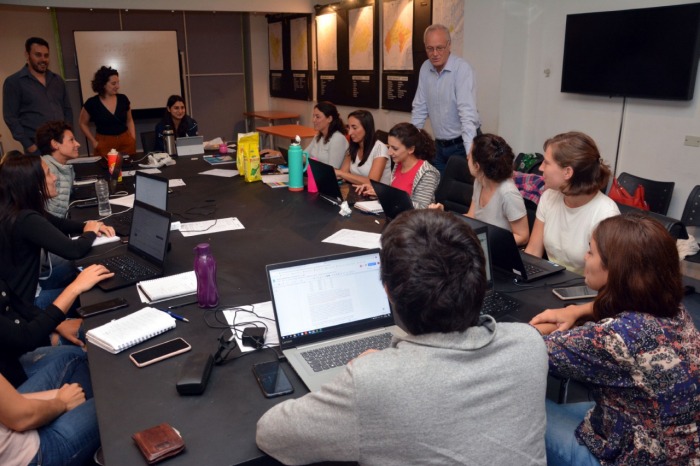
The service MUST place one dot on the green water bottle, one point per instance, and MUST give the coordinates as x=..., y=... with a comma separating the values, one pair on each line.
x=297, y=165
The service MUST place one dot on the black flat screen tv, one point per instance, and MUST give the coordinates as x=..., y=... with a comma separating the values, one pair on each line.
x=649, y=52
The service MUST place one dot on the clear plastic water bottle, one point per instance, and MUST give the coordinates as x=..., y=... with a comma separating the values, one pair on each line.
x=205, y=270
x=102, y=192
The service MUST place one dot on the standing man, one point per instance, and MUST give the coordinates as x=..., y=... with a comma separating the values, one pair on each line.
x=447, y=94
x=33, y=96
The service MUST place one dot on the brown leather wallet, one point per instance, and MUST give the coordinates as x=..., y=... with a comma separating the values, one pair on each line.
x=159, y=442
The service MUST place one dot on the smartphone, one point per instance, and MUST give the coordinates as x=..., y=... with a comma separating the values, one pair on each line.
x=574, y=292
x=99, y=308
x=156, y=353
x=272, y=379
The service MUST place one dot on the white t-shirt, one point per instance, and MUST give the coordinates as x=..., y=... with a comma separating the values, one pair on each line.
x=568, y=231
x=505, y=206
x=379, y=150
x=332, y=153
x=17, y=448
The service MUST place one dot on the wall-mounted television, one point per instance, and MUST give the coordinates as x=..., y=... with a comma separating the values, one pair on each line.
x=648, y=52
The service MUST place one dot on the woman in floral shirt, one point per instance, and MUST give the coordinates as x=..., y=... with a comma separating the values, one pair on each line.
x=637, y=349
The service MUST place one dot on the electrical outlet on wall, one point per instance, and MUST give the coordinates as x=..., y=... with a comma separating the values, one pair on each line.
x=692, y=141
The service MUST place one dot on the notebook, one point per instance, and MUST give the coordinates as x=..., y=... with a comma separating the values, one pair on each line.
x=328, y=310
x=120, y=334
x=173, y=286
x=373, y=207
x=151, y=189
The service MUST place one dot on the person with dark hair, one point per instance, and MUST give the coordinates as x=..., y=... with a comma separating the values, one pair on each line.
x=111, y=113
x=637, y=349
x=421, y=400
x=572, y=206
x=496, y=199
x=410, y=148
x=176, y=117
x=367, y=158
x=33, y=96
x=57, y=142
x=330, y=144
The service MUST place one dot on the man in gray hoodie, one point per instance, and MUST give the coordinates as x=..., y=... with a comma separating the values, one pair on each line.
x=459, y=388
x=56, y=141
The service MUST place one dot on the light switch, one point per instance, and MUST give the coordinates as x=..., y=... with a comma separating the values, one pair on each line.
x=692, y=141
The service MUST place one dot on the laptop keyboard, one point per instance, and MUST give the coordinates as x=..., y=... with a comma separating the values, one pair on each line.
x=532, y=269
x=328, y=357
x=127, y=268
x=495, y=304
x=124, y=219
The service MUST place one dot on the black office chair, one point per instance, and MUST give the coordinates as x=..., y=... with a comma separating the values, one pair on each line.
x=382, y=136
x=656, y=193
x=531, y=208
x=674, y=226
x=148, y=141
x=456, y=187
x=691, y=217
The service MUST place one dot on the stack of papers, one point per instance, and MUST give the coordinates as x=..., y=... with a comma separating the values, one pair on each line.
x=210, y=226
x=221, y=172
x=176, y=183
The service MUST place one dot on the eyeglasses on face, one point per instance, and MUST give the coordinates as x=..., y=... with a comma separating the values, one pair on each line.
x=440, y=49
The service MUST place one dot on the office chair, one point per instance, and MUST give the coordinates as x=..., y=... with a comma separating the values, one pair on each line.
x=148, y=141
x=456, y=187
x=675, y=227
x=691, y=216
x=382, y=136
x=656, y=193
x=531, y=208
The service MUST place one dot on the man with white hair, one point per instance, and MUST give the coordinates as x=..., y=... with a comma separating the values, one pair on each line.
x=447, y=94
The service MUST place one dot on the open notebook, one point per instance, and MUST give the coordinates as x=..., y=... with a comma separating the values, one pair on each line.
x=131, y=330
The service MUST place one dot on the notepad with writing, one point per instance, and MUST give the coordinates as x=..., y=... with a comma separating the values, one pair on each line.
x=173, y=286
x=370, y=206
x=131, y=330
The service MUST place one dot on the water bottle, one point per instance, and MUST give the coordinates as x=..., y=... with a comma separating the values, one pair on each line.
x=169, y=141
x=102, y=192
x=297, y=167
x=205, y=270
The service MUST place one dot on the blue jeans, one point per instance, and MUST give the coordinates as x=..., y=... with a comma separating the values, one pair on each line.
x=61, y=277
x=73, y=437
x=562, y=446
x=442, y=154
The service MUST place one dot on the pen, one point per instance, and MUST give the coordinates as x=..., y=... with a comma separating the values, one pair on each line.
x=173, y=315
x=176, y=306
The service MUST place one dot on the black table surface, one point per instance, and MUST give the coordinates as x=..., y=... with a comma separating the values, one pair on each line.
x=219, y=426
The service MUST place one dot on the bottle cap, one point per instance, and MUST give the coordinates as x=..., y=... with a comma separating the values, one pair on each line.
x=202, y=248
x=113, y=152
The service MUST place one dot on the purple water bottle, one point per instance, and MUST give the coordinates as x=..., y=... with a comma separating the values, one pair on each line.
x=205, y=269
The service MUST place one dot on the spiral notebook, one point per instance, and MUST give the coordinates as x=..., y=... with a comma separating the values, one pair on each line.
x=131, y=330
x=173, y=286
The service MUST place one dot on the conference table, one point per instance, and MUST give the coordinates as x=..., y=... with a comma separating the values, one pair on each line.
x=287, y=132
x=218, y=426
x=270, y=116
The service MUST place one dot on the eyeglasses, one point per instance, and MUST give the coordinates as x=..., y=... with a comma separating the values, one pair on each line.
x=440, y=49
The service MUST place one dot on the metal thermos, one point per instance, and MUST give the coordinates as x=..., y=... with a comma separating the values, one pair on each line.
x=169, y=141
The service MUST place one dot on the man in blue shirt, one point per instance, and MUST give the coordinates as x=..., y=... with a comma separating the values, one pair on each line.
x=33, y=96
x=447, y=94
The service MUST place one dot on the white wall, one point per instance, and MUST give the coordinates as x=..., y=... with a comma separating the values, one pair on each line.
x=264, y=6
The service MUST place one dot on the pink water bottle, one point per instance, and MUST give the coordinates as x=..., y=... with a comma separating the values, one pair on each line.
x=223, y=148
x=311, y=185
x=205, y=270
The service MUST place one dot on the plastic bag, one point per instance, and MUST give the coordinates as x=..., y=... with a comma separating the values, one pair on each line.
x=248, y=156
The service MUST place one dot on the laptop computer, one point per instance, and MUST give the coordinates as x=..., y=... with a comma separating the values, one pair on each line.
x=328, y=310
x=510, y=259
x=327, y=184
x=189, y=145
x=393, y=200
x=151, y=189
x=145, y=255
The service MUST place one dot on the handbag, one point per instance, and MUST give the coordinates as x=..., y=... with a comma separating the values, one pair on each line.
x=620, y=194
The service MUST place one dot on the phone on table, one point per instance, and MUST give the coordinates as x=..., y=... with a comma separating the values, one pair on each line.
x=100, y=308
x=574, y=292
x=272, y=379
x=156, y=353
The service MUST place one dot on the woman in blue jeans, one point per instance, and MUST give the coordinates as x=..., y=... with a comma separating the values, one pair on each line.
x=50, y=419
x=635, y=346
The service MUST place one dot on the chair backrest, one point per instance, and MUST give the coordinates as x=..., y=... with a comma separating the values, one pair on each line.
x=148, y=141
x=531, y=208
x=691, y=213
x=456, y=187
x=676, y=228
x=382, y=136
x=656, y=193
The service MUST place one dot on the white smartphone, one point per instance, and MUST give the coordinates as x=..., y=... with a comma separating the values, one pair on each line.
x=159, y=352
x=574, y=292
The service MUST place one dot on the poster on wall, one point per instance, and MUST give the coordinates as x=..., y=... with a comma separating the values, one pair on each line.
x=327, y=42
x=361, y=33
x=275, y=46
x=397, y=34
x=451, y=14
x=300, y=55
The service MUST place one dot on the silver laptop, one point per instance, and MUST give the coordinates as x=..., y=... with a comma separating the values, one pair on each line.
x=328, y=310
x=193, y=145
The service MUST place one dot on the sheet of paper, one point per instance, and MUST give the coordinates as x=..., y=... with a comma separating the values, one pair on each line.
x=129, y=173
x=81, y=160
x=126, y=201
x=275, y=178
x=104, y=239
x=175, y=226
x=150, y=171
x=355, y=239
x=210, y=226
x=221, y=172
x=265, y=314
x=175, y=183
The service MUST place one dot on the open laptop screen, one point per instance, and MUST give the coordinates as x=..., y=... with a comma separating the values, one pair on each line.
x=149, y=232
x=152, y=190
x=327, y=294
x=484, y=240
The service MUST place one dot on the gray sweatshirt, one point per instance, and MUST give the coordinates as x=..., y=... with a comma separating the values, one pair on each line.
x=58, y=206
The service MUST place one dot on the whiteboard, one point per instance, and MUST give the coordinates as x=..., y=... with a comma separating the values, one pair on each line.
x=147, y=62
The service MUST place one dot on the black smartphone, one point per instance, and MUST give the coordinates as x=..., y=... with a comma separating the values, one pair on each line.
x=99, y=308
x=272, y=379
x=159, y=352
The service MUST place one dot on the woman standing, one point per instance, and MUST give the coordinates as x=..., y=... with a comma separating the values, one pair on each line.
x=366, y=159
x=176, y=117
x=111, y=113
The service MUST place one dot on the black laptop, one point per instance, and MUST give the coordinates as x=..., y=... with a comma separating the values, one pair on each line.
x=393, y=200
x=327, y=184
x=151, y=189
x=145, y=255
x=511, y=260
